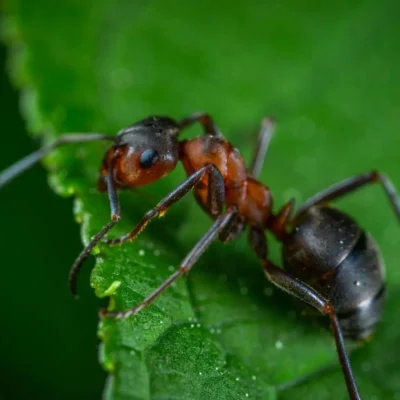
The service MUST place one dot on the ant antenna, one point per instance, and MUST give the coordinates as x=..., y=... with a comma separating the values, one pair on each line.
x=27, y=162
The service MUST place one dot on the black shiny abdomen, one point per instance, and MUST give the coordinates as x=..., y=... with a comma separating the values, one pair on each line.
x=330, y=252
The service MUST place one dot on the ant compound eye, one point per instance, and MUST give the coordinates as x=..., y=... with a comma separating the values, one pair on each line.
x=148, y=158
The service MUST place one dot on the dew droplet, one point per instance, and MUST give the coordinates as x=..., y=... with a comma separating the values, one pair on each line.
x=254, y=377
x=237, y=379
x=142, y=252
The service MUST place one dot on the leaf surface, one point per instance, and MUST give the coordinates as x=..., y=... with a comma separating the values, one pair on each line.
x=328, y=73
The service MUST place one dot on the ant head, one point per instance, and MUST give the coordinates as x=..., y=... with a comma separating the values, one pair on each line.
x=143, y=153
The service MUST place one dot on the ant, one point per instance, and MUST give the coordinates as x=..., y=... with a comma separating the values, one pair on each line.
x=330, y=262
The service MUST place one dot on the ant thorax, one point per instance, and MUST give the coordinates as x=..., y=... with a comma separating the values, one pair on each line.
x=252, y=198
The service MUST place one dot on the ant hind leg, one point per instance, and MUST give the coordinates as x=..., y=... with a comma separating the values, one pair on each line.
x=350, y=185
x=299, y=289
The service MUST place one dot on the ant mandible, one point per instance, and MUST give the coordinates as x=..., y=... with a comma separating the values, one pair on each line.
x=330, y=262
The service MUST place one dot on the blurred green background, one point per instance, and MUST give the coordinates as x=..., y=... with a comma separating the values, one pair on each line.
x=328, y=72
x=45, y=334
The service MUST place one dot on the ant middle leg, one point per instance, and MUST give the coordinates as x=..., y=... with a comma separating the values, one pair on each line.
x=216, y=199
x=220, y=223
x=262, y=144
x=209, y=126
x=299, y=289
x=233, y=229
x=349, y=185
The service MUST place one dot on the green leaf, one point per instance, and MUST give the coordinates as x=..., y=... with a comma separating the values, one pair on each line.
x=328, y=73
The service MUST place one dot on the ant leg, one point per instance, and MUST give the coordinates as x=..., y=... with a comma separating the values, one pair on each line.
x=216, y=198
x=302, y=291
x=27, y=162
x=184, y=267
x=204, y=119
x=115, y=217
x=263, y=141
x=279, y=222
x=349, y=185
x=299, y=289
x=232, y=230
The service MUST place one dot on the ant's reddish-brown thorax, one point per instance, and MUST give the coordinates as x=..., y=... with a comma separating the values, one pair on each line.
x=253, y=199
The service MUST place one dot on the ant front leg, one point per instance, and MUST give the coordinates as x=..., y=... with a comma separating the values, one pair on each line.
x=349, y=185
x=216, y=199
x=202, y=245
x=299, y=289
x=209, y=126
x=115, y=217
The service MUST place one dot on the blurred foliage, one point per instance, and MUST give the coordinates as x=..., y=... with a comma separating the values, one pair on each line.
x=45, y=333
x=327, y=72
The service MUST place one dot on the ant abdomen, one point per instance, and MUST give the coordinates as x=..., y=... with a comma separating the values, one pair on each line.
x=330, y=252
